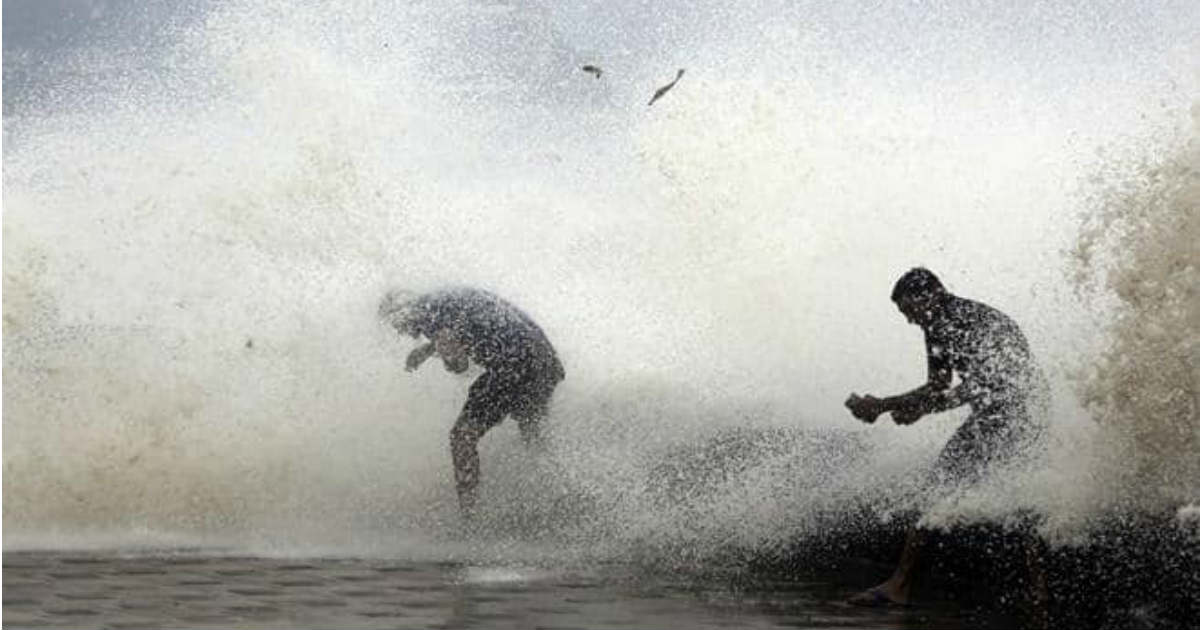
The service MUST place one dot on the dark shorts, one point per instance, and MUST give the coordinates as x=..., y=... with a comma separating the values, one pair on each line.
x=494, y=396
x=987, y=437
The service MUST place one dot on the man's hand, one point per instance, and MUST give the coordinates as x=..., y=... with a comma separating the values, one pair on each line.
x=418, y=356
x=866, y=408
x=905, y=416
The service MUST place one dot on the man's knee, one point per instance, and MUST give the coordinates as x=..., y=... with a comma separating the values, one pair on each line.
x=465, y=430
x=531, y=430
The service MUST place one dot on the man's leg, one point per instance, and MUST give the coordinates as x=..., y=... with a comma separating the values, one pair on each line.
x=960, y=460
x=464, y=451
x=899, y=585
x=483, y=410
x=1038, y=608
x=896, y=589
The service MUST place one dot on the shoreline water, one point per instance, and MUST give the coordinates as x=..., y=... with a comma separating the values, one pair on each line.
x=1135, y=573
x=196, y=590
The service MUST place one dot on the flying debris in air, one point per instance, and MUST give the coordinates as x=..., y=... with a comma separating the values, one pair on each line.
x=590, y=69
x=664, y=89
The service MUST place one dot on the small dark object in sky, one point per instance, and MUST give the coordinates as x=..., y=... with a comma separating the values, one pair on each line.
x=249, y=343
x=590, y=69
x=664, y=89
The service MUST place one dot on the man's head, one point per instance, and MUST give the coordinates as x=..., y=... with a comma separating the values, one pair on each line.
x=399, y=308
x=918, y=294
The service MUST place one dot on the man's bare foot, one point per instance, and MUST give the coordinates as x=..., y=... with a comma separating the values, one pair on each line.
x=877, y=597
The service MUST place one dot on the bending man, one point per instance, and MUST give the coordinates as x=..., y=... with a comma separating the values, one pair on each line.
x=998, y=378
x=521, y=367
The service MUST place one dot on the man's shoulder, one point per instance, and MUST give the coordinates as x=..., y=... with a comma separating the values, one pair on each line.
x=461, y=297
x=968, y=310
x=480, y=306
x=986, y=320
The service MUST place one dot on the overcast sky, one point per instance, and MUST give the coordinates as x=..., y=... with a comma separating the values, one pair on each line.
x=1117, y=26
x=1044, y=45
x=50, y=24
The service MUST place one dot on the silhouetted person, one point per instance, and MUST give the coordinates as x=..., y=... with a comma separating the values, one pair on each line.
x=521, y=367
x=998, y=378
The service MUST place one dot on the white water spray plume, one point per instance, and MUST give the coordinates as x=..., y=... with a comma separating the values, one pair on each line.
x=204, y=205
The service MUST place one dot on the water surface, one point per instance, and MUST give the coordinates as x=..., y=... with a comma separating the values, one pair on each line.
x=207, y=590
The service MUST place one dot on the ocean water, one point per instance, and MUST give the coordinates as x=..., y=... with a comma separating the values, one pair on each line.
x=205, y=590
x=204, y=202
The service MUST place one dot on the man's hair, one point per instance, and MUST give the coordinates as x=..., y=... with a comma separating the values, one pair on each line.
x=915, y=282
x=402, y=309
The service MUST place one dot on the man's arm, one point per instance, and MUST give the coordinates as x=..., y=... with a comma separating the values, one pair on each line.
x=934, y=396
x=929, y=398
x=908, y=407
x=418, y=356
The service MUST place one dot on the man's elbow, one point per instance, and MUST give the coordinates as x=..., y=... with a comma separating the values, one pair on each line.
x=938, y=384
